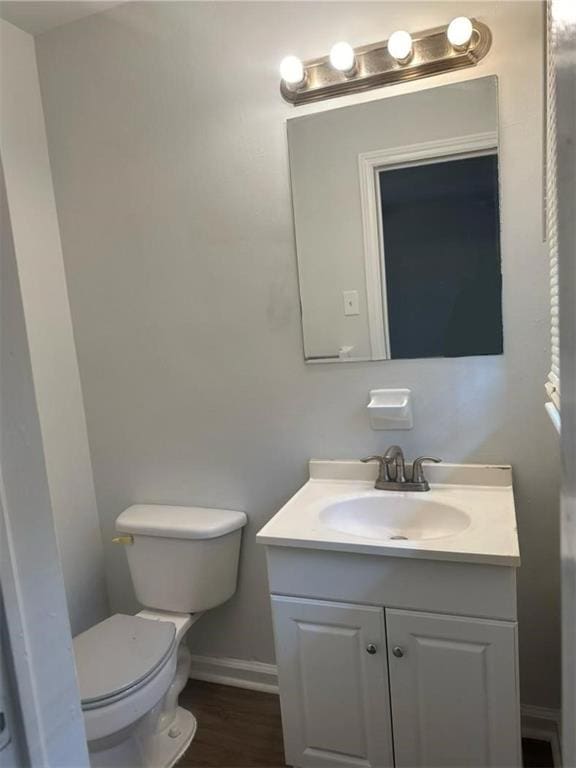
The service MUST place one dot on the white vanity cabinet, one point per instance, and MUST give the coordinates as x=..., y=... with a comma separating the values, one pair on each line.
x=453, y=690
x=366, y=686
x=386, y=661
x=397, y=651
x=334, y=683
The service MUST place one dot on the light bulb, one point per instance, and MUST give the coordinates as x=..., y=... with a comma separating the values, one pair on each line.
x=460, y=32
x=400, y=45
x=292, y=71
x=343, y=58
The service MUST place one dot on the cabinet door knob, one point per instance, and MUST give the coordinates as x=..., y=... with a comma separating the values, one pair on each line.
x=398, y=652
x=371, y=649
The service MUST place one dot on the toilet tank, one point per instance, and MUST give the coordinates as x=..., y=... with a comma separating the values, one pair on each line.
x=181, y=559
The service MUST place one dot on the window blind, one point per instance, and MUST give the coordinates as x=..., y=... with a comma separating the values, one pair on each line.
x=553, y=382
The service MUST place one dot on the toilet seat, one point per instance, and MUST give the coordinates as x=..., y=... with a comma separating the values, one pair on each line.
x=125, y=666
x=120, y=655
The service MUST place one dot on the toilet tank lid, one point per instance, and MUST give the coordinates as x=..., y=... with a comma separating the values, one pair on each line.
x=179, y=522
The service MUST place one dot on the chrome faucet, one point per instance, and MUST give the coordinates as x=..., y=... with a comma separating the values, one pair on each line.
x=394, y=456
x=392, y=471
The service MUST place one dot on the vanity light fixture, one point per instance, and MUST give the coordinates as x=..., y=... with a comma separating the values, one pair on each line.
x=343, y=58
x=400, y=46
x=404, y=56
x=460, y=32
x=292, y=72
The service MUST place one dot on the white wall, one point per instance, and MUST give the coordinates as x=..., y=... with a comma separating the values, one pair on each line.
x=46, y=717
x=565, y=65
x=49, y=327
x=168, y=149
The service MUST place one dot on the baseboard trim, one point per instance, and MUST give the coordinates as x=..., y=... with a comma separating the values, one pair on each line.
x=543, y=723
x=537, y=722
x=254, y=675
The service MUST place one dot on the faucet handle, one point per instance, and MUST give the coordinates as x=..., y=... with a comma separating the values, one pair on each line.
x=418, y=470
x=383, y=462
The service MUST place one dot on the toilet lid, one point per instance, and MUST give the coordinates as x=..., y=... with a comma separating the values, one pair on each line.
x=118, y=654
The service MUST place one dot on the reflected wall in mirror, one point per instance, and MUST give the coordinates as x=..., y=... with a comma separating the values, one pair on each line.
x=396, y=211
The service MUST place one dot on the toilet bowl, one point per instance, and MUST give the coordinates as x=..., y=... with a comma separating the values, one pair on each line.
x=131, y=669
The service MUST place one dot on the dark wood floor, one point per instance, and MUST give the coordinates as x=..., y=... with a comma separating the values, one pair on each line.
x=242, y=729
x=236, y=728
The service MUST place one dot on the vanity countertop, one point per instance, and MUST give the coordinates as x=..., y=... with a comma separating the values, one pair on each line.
x=468, y=514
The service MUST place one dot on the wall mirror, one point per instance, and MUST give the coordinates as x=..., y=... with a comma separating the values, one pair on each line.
x=396, y=214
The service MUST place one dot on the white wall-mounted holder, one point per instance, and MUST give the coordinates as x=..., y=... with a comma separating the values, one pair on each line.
x=390, y=409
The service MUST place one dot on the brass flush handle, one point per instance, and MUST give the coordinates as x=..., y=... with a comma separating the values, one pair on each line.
x=123, y=539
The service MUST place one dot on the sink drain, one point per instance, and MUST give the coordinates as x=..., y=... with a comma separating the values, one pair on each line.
x=398, y=538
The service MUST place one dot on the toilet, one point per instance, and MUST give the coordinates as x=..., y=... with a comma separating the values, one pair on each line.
x=131, y=669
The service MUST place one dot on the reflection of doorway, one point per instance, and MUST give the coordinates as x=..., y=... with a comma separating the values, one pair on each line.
x=372, y=166
x=441, y=256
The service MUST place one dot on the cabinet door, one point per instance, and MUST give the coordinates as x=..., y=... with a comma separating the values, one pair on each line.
x=454, y=691
x=333, y=679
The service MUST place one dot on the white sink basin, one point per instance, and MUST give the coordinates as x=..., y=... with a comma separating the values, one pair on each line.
x=467, y=515
x=396, y=518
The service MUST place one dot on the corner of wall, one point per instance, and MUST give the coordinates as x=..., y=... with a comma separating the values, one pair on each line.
x=30, y=194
